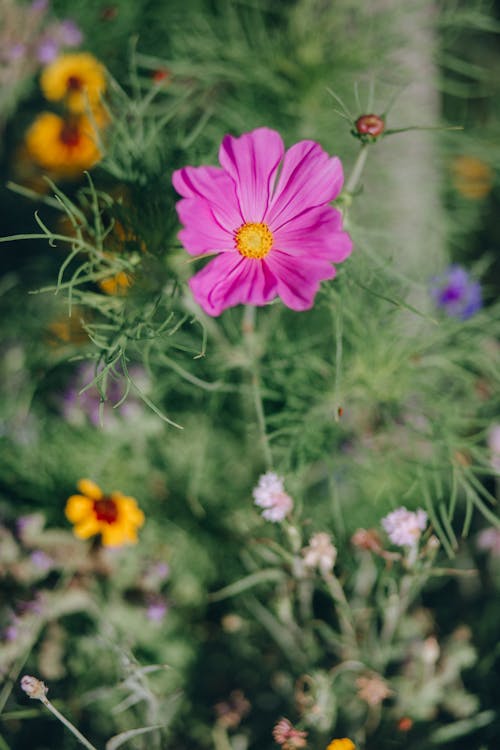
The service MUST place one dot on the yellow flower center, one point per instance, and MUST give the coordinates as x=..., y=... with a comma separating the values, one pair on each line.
x=253, y=240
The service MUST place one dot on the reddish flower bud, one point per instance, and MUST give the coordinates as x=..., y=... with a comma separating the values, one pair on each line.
x=405, y=724
x=161, y=75
x=369, y=127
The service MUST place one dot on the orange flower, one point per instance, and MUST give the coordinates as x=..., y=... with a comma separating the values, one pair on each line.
x=65, y=147
x=472, y=177
x=120, y=239
x=116, y=516
x=78, y=79
x=343, y=744
x=117, y=284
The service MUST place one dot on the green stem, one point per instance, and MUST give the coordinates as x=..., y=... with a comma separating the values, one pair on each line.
x=344, y=613
x=67, y=723
x=357, y=169
x=248, y=326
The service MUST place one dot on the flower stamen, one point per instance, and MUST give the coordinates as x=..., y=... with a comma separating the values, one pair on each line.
x=253, y=240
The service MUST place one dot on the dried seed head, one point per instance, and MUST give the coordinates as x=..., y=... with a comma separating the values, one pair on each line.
x=33, y=687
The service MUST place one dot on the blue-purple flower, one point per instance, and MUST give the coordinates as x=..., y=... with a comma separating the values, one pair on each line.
x=455, y=292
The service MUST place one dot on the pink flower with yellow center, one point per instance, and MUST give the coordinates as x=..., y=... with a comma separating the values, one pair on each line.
x=116, y=516
x=265, y=215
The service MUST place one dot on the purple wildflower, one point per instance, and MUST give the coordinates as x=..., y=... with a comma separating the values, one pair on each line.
x=15, y=52
x=39, y=6
x=457, y=293
x=157, y=608
x=80, y=404
x=47, y=50
x=270, y=495
x=69, y=33
x=404, y=527
x=41, y=560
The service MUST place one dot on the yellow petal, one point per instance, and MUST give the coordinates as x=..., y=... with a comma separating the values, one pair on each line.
x=86, y=528
x=128, y=509
x=90, y=489
x=78, y=507
x=114, y=535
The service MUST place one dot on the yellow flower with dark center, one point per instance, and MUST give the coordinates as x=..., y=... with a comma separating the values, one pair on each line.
x=64, y=146
x=78, y=79
x=343, y=744
x=472, y=177
x=116, y=517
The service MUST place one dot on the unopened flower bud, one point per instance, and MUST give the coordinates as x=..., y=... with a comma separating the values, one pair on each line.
x=367, y=539
x=405, y=724
x=33, y=687
x=369, y=127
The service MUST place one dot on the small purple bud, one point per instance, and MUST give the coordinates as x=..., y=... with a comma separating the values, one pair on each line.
x=47, y=51
x=11, y=633
x=16, y=51
x=157, y=609
x=457, y=293
x=39, y=6
x=41, y=560
x=70, y=33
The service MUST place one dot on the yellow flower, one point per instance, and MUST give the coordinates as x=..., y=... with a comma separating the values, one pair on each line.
x=78, y=79
x=343, y=744
x=116, y=517
x=65, y=147
x=472, y=177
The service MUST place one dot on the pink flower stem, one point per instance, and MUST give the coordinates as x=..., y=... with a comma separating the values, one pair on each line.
x=248, y=328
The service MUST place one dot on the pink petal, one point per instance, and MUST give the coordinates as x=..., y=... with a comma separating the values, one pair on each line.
x=309, y=178
x=216, y=187
x=201, y=233
x=317, y=233
x=252, y=160
x=298, y=279
x=230, y=280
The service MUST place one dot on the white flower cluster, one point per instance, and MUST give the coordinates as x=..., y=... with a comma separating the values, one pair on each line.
x=404, y=527
x=270, y=494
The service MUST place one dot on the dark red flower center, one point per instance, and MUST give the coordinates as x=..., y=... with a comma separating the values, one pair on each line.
x=74, y=83
x=106, y=510
x=70, y=135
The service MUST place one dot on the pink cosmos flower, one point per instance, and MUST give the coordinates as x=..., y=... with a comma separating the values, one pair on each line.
x=272, y=229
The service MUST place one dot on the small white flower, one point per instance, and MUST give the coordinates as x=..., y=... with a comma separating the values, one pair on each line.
x=321, y=553
x=270, y=494
x=404, y=527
